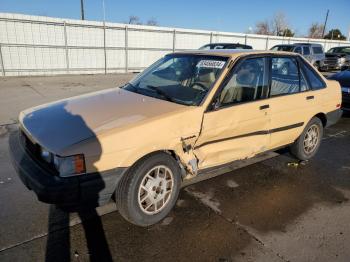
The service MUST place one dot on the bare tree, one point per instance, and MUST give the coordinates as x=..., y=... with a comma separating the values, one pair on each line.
x=315, y=30
x=152, y=22
x=134, y=20
x=262, y=28
x=279, y=24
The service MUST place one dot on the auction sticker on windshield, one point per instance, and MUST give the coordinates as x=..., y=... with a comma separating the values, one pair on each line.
x=211, y=64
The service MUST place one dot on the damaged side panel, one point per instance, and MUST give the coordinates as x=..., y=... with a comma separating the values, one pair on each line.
x=188, y=159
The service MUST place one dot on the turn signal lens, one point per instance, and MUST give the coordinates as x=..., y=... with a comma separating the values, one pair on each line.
x=79, y=164
x=70, y=166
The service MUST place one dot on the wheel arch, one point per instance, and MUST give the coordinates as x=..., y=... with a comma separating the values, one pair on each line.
x=170, y=152
x=323, y=118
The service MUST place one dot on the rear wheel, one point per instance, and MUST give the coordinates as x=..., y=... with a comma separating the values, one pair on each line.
x=308, y=143
x=149, y=190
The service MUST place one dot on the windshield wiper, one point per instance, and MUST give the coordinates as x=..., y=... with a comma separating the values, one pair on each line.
x=162, y=93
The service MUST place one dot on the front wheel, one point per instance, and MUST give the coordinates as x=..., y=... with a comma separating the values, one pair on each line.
x=308, y=143
x=149, y=190
x=317, y=66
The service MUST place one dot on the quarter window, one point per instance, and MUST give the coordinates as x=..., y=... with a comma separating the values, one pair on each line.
x=248, y=82
x=315, y=81
x=285, y=77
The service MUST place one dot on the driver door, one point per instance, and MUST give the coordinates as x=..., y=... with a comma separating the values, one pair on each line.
x=237, y=127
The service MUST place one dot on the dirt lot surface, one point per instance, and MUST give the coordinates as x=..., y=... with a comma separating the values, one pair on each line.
x=269, y=211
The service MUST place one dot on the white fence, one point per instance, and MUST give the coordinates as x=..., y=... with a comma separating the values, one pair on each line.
x=35, y=45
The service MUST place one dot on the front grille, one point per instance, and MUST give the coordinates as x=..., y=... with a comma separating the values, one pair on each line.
x=331, y=61
x=32, y=148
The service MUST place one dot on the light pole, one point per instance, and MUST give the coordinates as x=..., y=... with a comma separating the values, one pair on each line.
x=325, y=23
x=82, y=9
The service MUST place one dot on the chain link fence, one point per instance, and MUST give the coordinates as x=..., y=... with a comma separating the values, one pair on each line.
x=35, y=45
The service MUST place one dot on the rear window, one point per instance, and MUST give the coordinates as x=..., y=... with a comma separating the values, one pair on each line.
x=313, y=78
x=317, y=50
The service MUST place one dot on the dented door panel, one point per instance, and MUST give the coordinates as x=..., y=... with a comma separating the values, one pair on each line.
x=232, y=133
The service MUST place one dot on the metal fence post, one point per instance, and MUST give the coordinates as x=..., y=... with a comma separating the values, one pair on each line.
x=245, y=39
x=2, y=62
x=104, y=45
x=174, y=40
x=126, y=50
x=66, y=45
x=211, y=37
x=267, y=43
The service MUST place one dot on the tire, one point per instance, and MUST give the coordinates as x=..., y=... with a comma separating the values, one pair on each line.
x=132, y=200
x=300, y=149
x=317, y=66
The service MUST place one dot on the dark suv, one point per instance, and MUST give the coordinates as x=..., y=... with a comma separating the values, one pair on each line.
x=337, y=58
x=225, y=46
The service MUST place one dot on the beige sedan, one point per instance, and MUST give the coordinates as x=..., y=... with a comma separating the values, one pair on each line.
x=188, y=114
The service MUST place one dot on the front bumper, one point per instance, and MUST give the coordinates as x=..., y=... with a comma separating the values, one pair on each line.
x=90, y=189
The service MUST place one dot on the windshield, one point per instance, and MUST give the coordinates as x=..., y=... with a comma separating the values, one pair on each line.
x=179, y=78
x=340, y=50
x=285, y=48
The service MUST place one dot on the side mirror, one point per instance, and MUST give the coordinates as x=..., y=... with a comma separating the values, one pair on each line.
x=215, y=104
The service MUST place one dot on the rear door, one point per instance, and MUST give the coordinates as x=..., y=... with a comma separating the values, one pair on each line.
x=237, y=126
x=291, y=105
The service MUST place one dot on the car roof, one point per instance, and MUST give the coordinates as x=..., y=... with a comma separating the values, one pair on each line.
x=342, y=46
x=299, y=44
x=224, y=44
x=233, y=52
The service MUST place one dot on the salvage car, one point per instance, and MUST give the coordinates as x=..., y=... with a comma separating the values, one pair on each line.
x=343, y=78
x=337, y=58
x=188, y=114
x=312, y=52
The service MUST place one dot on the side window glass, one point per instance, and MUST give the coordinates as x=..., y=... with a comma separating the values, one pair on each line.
x=248, y=82
x=303, y=83
x=297, y=50
x=314, y=79
x=284, y=76
x=306, y=50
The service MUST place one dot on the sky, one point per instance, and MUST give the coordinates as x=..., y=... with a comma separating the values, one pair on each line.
x=224, y=15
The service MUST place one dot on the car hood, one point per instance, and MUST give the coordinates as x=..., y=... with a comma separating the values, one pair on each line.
x=336, y=55
x=342, y=77
x=56, y=126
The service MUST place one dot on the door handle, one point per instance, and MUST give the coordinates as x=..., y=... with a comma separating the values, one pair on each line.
x=264, y=107
x=310, y=97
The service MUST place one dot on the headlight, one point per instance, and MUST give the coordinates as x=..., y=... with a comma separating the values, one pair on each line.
x=70, y=166
x=345, y=90
x=46, y=155
x=342, y=59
